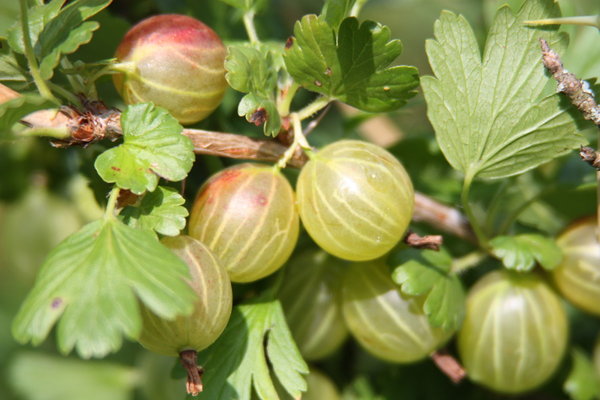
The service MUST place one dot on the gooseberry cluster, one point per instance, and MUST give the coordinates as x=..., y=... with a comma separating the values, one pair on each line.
x=355, y=200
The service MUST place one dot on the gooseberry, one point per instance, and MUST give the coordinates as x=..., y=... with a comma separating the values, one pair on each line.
x=386, y=322
x=174, y=61
x=246, y=215
x=355, y=200
x=211, y=311
x=311, y=298
x=578, y=275
x=514, y=333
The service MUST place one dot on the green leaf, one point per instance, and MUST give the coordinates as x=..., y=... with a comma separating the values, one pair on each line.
x=39, y=16
x=522, y=251
x=238, y=361
x=153, y=146
x=582, y=383
x=335, y=11
x=487, y=115
x=37, y=376
x=351, y=65
x=427, y=272
x=161, y=210
x=12, y=111
x=254, y=69
x=92, y=281
x=10, y=70
x=66, y=32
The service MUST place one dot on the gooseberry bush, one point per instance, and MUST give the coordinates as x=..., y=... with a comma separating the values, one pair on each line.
x=243, y=199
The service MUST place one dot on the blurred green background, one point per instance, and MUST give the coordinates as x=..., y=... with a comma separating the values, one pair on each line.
x=45, y=195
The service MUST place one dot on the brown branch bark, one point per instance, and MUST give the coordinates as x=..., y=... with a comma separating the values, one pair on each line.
x=102, y=122
x=576, y=90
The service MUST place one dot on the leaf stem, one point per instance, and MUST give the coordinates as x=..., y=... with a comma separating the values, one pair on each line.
x=250, y=28
x=464, y=197
x=65, y=94
x=299, y=140
x=589, y=20
x=29, y=54
x=316, y=105
x=470, y=260
x=284, y=102
x=112, y=203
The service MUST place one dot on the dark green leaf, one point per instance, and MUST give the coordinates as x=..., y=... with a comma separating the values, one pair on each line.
x=39, y=16
x=153, y=146
x=583, y=382
x=66, y=32
x=161, y=210
x=255, y=70
x=238, y=362
x=13, y=110
x=522, y=251
x=92, y=281
x=335, y=11
x=58, y=378
x=427, y=272
x=352, y=65
x=487, y=115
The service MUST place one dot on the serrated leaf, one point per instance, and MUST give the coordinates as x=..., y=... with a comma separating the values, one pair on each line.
x=10, y=70
x=487, y=115
x=92, y=282
x=153, y=146
x=350, y=65
x=39, y=16
x=66, y=32
x=427, y=272
x=12, y=111
x=583, y=382
x=69, y=379
x=238, y=362
x=521, y=252
x=161, y=210
x=260, y=110
x=254, y=69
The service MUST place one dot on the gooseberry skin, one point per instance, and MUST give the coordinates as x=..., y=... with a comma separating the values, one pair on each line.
x=211, y=311
x=246, y=215
x=578, y=275
x=320, y=387
x=174, y=61
x=311, y=299
x=387, y=323
x=355, y=200
x=514, y=333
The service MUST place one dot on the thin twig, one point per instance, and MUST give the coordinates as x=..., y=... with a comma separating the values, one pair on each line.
x=449, y=366
x=431, y=242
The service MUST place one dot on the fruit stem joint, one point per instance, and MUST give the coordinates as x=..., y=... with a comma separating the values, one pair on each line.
x=189, y=361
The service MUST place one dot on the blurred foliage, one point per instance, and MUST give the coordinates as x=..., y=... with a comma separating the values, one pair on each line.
x=45, y=195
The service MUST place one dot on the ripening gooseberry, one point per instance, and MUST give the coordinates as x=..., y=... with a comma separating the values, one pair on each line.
x=355, y=200
x=578, y=275
x=174, y=61
x=386, y=322
x=514, y=333
x=246, y=215
x=310, y=295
